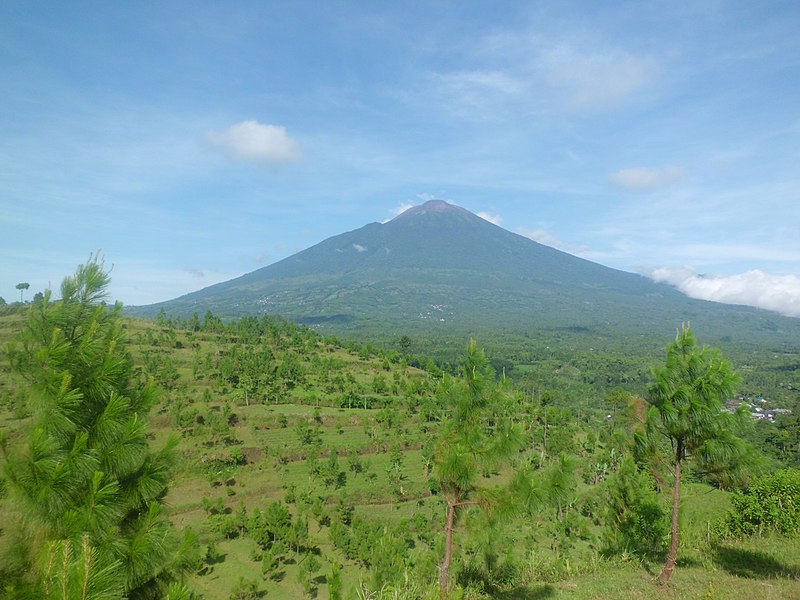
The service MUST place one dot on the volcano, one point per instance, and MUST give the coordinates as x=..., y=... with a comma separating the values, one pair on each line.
x=437, y=270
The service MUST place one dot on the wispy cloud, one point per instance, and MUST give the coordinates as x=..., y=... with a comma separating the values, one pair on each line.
x=639, y=179
x=477, y=94
x=542, y=72
x=466, y=82
x=496, y=219
x=593, y=79
x=401, y=208
x=256, y=142
x=398, y=210
x=548, y=239
x=780, y=293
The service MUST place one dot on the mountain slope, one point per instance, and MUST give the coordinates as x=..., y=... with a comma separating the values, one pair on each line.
x=439, y=268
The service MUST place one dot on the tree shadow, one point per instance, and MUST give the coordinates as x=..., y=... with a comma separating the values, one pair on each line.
x=470, y=576
x=689, y=561
x=216, y=559
x=526, y=593
x=752, y=564
x=651, y=568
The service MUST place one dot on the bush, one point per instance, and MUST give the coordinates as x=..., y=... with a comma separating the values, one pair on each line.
x=771, y=502
x=245, y=589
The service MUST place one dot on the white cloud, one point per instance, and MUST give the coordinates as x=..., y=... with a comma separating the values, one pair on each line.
x=642, y=178
x=541, y=236
x=253, y=141
x=496, y=219
x=401, y=208
x=398, y=210
x=360, y=248
x=548, y=239
x=780, y=293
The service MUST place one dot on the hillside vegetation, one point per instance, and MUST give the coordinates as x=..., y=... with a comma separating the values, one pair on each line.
x=310, y=468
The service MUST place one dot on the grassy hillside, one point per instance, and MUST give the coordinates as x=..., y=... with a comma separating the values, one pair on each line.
x=300, y=456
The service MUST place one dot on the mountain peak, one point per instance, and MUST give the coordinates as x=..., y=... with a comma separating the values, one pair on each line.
x=439, y=267
x=432, y=207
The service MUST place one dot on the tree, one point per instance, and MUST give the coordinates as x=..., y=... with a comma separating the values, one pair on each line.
x=394, y=471
x=309, y=566
x=405, y=344
x=22, y=287
x=335, y=582
x=687, y=410
x=89, y=489
x=617, y=399
x=635, y=520
x=472, y=440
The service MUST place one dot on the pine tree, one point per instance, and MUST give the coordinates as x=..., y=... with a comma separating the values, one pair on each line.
x=635, y=520
x=89, y=489
x=335, y=582
x=687, y=410
x=472, y=440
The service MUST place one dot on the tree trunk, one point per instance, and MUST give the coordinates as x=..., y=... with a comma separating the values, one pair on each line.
x=544, y=445
x=672, y=558
x=444, y=570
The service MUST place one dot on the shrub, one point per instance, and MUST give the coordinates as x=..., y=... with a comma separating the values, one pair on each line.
x=771, y=502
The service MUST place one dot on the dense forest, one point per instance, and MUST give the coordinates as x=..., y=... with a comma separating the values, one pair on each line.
x=202, y=458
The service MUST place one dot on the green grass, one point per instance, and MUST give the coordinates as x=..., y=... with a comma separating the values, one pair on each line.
x=762, y=568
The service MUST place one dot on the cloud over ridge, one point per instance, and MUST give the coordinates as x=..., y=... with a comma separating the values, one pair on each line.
x=779, y=293
x=486, y=216
x=547, y=238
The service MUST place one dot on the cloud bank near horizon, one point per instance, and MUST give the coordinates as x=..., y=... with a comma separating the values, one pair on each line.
x=779, y=293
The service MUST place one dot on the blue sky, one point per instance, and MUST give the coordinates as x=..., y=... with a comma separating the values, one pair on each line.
x=194, y=142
